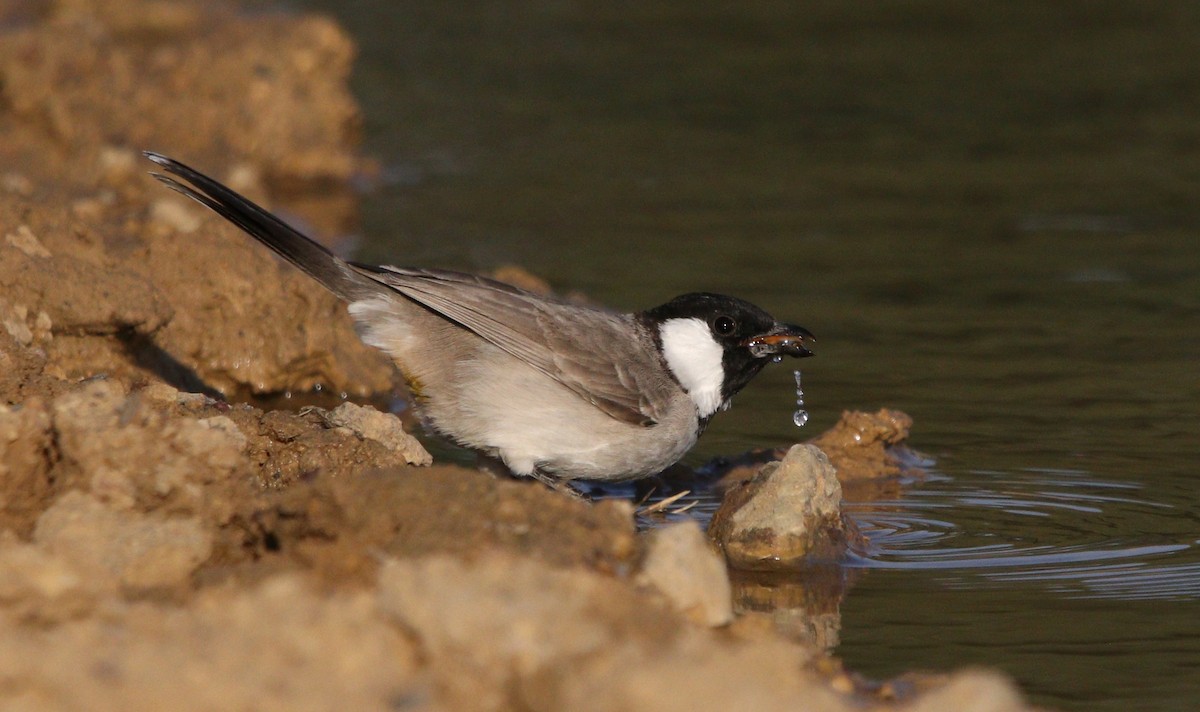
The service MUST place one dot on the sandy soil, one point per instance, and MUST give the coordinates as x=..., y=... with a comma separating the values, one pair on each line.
x=164, y=545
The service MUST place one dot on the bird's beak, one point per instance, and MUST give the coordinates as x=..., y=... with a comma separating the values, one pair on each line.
x=781, y=340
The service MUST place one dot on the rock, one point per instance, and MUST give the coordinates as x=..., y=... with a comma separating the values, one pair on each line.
x=39, y=586
x=384, y=428
x=868, y=450
x=786, y=514
x=971, y=691
x=520, y=277
x=24, y=240
x=26, y=445
x=23, y=374
x=102, y=250
x=681, y=564
x=276, y=646
x=16, y=183
x=137, y=17
x=133, y=551
x=861, y=445
x=289, y=447
x=294, y=111
x=247, y=324
x=176, y=214
x=126, y=450
x=339, y=523
x=458, y=511
x=487, y=625
x=78, y=297
x=697, y=673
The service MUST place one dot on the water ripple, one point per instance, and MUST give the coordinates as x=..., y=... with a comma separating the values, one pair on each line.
x=1065, y=531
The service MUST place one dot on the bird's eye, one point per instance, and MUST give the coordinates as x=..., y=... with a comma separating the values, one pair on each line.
x=724, y=326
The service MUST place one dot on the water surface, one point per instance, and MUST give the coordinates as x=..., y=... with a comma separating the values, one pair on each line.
x=989, y=214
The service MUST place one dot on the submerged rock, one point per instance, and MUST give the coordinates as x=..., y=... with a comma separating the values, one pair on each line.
x=787, y=514
x=680, y=563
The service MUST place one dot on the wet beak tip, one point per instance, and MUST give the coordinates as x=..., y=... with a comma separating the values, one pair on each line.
x=784, y=340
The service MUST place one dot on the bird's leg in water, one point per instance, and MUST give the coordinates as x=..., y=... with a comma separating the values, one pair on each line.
x=495, y=467
x=558, y=485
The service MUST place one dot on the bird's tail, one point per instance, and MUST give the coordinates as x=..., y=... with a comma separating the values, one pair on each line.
x=334, y=273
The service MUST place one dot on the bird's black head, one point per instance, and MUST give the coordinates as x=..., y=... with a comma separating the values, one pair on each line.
x=714, y=344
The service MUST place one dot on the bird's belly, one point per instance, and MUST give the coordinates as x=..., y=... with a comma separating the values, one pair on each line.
x=596, y=447
x=485, y=399
x=534, y=423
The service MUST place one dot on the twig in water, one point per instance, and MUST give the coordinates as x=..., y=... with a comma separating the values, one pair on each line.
x=662, y=505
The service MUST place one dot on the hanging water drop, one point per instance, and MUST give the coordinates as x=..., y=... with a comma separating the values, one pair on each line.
x=800, y=417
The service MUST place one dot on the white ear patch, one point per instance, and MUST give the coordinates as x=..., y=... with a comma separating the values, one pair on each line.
x=695, y=359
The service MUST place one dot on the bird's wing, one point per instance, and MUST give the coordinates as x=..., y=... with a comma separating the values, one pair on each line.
x=587, y=350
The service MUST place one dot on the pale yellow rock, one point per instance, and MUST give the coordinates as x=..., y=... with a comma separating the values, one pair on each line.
x=16, y=184
x=18, y=329
x=972, y=691
x=24, y=240
x=680, y=563
x=99, y=425
x=494, y=621
x=281, y=646
x=384, y=428
x=39, y=585
x=698, y=672
x=135, y=551
x=180, y=215
x=789, y=512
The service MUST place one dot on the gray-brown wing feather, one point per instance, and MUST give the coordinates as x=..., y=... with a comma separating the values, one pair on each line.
x=587, y=350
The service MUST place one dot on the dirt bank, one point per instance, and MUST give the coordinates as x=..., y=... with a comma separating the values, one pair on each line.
x=164, y=545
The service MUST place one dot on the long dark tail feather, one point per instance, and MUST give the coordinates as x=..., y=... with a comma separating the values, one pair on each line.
x=335, y=274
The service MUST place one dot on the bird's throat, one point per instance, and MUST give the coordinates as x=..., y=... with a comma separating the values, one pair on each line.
x=695, y=359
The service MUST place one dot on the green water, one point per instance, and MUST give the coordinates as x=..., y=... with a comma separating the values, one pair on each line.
x=989, y=214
